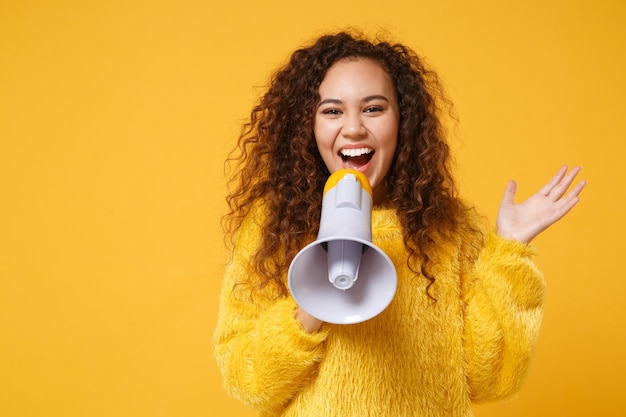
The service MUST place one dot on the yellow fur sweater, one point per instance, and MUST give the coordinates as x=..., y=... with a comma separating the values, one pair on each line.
x=419, y=357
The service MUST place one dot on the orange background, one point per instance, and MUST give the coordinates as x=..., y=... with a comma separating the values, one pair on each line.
x=115, y=120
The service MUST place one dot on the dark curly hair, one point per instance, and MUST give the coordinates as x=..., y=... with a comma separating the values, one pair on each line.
x=277, y=160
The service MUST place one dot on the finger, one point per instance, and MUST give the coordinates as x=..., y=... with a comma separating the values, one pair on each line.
x=547, y=189
x=566, y=204
x=559, y=189
x=576, y=190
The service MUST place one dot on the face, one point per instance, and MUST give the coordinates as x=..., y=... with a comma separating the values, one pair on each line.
x=357, y=119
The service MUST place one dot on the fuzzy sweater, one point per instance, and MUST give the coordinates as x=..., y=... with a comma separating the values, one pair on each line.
x=419, y=357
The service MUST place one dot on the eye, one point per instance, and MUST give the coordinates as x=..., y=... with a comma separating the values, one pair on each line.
x=373, y=109
x=331, y=112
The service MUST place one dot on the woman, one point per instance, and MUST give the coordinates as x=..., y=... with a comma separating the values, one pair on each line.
x=466, y=314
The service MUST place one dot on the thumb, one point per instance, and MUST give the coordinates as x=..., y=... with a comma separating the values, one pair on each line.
x=509, y=193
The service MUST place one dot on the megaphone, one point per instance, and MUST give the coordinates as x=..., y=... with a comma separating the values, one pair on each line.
x=342, y=277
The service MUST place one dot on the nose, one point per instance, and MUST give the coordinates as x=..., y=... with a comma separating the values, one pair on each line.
x=353, y=127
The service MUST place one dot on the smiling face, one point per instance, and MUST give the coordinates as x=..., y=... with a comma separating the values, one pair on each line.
x=357, y=119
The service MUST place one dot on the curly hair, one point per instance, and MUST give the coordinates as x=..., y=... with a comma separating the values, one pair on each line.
x=278, y=163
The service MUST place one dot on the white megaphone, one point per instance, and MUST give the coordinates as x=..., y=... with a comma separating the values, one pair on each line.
x=342, y=277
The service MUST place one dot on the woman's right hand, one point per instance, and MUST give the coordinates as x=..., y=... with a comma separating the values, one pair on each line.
x=309, y=323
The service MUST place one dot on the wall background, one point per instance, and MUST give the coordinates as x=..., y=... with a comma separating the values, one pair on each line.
x=116, y=117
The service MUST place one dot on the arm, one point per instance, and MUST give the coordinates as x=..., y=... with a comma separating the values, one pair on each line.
x=504, y=295
x=264, y=353
x=503, y=311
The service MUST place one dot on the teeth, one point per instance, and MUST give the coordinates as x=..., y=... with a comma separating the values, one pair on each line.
x=355, y=152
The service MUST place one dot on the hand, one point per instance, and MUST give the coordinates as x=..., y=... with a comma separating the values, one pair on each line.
x=309, y=323
x=523, y=222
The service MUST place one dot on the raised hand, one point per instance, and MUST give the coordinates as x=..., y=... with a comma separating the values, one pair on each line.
x=524, y=221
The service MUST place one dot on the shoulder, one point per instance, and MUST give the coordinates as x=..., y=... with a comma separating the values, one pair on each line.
x=248, y=233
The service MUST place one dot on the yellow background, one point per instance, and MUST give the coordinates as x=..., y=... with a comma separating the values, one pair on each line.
x=115, y=120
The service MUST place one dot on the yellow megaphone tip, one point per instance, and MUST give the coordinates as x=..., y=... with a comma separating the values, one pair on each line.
x=339, y=175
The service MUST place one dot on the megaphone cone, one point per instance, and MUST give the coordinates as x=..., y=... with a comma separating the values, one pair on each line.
x=342, y=277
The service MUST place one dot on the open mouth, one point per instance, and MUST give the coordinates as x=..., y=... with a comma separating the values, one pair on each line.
x=356, y=158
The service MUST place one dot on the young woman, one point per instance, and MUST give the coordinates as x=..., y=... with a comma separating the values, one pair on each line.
x=464, y=321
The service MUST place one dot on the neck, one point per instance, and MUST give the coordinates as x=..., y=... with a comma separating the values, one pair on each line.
x=380, y=194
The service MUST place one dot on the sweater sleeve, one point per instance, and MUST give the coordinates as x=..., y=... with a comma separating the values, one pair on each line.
x=261, y=349
x=503, y=312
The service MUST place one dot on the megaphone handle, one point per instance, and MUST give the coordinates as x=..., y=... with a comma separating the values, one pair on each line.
x=344, y=258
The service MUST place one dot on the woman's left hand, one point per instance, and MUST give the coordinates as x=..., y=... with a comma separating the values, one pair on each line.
x=524, y=221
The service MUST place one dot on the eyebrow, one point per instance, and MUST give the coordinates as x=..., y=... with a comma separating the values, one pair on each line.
x=364, y=100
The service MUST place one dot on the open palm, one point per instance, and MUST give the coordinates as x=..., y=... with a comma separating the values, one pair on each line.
x=524, y=221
